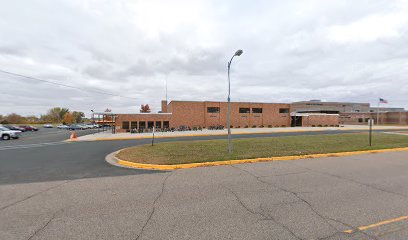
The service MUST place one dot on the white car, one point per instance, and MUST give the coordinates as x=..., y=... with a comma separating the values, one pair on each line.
x=62, y=126
x=48, y=126
x=7, y=134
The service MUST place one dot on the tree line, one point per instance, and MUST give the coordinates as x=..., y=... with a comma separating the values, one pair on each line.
x=53, y=115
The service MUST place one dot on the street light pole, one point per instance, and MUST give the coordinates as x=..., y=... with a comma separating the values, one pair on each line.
x=237, y=53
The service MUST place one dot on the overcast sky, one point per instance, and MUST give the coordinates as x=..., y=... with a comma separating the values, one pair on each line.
x=345, y=50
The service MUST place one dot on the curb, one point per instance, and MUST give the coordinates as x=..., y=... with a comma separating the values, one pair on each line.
x=221, y=134
x=196, y=135
x=128, y=164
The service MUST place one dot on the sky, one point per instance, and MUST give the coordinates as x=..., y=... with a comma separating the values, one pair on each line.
x=348, y=50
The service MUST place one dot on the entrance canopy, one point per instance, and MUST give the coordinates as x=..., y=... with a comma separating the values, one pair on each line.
x=105, y=118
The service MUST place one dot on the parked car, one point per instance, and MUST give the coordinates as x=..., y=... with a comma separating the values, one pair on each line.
x=62, y=126
x=7, y=134
x=92, y=125
x=84, y=126
x=15, y=128
x=76, y=127
x=29, y=128
x=48, y=126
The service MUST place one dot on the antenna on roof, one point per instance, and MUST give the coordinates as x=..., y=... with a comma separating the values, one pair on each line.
x=166, y=87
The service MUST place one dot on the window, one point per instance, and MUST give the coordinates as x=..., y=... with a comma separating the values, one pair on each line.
x=256, y=110
x=158, y=124
x=125, y=124
x=133, y=125
x=150, y=124
x=166, y=124
x=142, y=125
x=360, y=120
x=244, y=110
x=283, y=110
x=213, y=109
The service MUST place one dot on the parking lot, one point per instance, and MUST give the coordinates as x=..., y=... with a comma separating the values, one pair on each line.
x=45, y=135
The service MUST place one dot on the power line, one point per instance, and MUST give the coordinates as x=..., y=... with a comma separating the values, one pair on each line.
x=64, y=85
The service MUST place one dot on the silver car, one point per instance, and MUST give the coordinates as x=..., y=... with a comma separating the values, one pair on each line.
x=62, y=126
x=6, y=133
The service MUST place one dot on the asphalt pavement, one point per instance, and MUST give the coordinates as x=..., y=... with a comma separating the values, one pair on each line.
x=68, y=191
x=45, y=135
x=41, y=158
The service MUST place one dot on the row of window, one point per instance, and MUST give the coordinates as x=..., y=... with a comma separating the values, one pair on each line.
x=143, y=124
x=363, y=120
x=245, y=110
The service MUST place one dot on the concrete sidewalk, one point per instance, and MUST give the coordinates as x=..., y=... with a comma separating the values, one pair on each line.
x=104, y=136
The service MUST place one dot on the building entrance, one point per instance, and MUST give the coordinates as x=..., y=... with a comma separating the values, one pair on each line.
x=296, y=121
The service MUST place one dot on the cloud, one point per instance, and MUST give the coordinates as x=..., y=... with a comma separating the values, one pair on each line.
x=369, y=29
x=293, y=50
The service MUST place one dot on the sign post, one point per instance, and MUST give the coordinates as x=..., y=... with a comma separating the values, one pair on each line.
x=370, y=125
x=153, y=136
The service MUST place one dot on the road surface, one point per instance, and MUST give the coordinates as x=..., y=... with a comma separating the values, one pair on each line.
x=68, y=191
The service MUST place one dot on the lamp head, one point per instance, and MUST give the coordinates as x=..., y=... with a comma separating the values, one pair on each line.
x=238, y=52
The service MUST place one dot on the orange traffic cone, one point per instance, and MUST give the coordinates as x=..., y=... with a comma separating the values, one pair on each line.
x=73, y=136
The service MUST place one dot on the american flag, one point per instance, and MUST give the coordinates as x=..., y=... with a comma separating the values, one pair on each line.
x=382, y=100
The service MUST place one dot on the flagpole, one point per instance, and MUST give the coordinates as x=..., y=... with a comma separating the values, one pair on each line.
x=378, y=112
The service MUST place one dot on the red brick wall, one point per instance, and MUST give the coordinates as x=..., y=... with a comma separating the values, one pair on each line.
x=164, y=106
x=140, y=117
x=195, y=114
x=187, y=114
x=355, y=118
x=391, y=118
x=329, y=120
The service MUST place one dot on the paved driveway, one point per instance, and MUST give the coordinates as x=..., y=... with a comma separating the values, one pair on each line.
x=303, y=199
x=44, y=135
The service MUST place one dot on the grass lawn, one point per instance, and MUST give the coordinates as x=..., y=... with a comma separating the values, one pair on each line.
x=216, y=150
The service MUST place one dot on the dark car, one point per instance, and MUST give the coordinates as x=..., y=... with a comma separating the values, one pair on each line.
x=29, y=128
x=15, y=128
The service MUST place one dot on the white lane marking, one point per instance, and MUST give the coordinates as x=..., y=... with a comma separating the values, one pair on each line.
x=31, y=145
